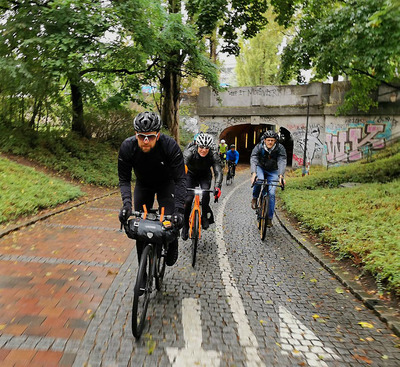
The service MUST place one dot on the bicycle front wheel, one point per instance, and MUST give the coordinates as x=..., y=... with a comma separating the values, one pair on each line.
x=142, y=291
x=195, y=236
x=160, y=266
x=264, y=216
x=228, y=178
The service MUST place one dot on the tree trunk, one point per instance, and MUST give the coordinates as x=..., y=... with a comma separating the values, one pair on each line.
x=37, y=104
x=78, y=123
x=171, y=99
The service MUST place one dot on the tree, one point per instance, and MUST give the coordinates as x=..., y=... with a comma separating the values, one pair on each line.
x=356, y=38
x=54, y=44
x=211, y=20
x=258, y=61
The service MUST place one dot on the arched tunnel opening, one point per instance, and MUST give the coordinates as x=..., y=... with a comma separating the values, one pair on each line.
x=245, y=137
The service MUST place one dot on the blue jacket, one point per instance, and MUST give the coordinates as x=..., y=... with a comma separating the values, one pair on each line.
x=232, y=156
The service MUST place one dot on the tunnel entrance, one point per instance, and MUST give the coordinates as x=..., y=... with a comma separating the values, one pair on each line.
x=246, y=136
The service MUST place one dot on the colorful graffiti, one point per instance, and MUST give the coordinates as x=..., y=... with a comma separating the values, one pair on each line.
x=356, y=139
x=315, y=146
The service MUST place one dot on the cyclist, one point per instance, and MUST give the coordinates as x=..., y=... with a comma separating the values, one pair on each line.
x=157, y=162
x=199, y=158
x=232, y=157
x=267, y=160
x=222, y=149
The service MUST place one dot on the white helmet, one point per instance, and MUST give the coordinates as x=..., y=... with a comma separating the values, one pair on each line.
x=222, y=141
x=204, y=140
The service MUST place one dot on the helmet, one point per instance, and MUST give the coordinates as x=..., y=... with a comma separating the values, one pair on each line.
x=232, y=146
x=204, y=140
x=222, y=141
x=147, y=121
x=270, y=134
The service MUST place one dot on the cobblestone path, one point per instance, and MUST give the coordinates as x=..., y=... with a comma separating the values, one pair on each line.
x=66, y=294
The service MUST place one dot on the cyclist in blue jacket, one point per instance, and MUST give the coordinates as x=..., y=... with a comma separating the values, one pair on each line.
x=233, y=157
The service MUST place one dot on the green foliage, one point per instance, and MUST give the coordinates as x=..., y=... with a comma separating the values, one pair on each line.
x=25, y=191
x=89, y=161
x=385, y=169
x=358, y=39
x=360, y=222
x=258, y=61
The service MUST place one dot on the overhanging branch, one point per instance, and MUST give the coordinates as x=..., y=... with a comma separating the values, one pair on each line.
x=375, y=78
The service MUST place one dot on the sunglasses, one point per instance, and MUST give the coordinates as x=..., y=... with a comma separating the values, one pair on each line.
x=203, y=147
x=150, y=137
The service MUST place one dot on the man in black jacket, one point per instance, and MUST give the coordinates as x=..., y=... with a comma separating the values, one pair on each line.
x=157, y=162
x=199, y=157
x=267, y=161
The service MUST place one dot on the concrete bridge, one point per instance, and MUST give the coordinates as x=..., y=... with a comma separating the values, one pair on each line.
x=240, y=116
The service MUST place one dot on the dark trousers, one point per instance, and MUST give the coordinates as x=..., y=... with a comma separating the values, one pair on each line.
x=192, y=182
x=145, y=195
x=233, y=166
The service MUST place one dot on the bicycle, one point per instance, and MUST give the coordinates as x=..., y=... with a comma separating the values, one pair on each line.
x=230, y=175
x=195, y=220
x=263, y=203
x=222, y=157
x=157, y=231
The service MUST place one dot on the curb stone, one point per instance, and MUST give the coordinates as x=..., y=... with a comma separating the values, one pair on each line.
x=385, y=314
x=56, y=211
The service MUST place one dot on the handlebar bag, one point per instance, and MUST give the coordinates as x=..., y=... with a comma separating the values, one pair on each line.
x=149, y=231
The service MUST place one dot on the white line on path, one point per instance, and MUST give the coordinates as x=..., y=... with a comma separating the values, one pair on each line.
x=192, y=354
x=246, y=338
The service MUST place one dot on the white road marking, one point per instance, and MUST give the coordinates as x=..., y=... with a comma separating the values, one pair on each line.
x=301, y=342
x=246, y=337
x=192, y=354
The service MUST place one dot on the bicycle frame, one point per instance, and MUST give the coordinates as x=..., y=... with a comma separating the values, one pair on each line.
x=196, y=208
x=263, y=203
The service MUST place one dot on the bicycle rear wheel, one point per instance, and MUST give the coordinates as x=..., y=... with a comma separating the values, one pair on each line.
x=160, y=266
x=228, y=178
x=141, y=295
x=195, y=236
x=264, y=216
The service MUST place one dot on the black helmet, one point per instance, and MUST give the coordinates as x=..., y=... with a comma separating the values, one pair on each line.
x=232, y=146
x=147, y=121
x=270, y=134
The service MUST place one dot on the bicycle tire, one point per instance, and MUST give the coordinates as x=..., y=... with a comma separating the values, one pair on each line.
x=195, y=236
x=228, y=178
x=160, y=267
x=141, y=301
x=264, y=216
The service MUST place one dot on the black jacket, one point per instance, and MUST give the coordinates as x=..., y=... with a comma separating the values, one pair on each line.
x=200, y=166
x=164, y=163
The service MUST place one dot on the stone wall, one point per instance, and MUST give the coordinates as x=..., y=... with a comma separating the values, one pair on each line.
x=331, y=139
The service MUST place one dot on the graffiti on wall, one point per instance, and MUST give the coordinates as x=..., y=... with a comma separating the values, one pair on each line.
x=356, y=139
x=315, y=146
x=190, y=124
x=255, y=91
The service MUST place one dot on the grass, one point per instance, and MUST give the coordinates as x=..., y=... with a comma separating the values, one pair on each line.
x=361, y=222
x=88, y=161
x=25, y=191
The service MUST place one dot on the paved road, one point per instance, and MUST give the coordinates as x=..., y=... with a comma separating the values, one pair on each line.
x=66, y=292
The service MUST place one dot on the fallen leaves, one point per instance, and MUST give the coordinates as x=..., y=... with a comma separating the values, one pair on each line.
x=362, y=358
x=339, y=290
x=366, y=325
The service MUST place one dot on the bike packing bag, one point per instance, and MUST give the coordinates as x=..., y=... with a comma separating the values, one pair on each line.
x=149, y=231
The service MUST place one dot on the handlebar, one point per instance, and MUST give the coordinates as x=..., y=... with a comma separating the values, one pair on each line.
x=152, y=214
x=265, y=182
x=198, y=190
